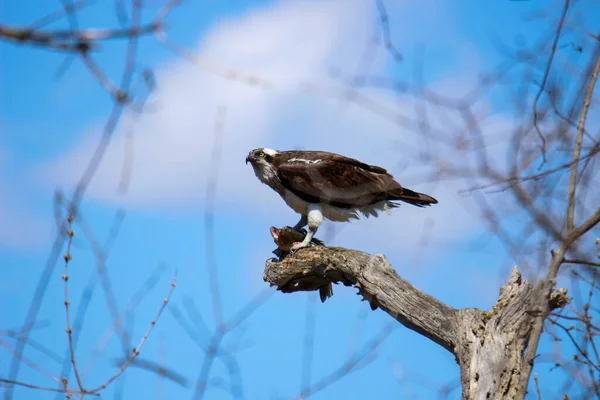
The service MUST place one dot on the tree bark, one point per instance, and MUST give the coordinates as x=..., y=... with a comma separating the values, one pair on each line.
x=488, y=345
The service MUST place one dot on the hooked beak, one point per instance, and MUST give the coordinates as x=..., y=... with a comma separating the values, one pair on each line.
x=249, y=159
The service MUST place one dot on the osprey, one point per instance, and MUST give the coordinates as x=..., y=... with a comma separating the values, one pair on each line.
x=319, y=184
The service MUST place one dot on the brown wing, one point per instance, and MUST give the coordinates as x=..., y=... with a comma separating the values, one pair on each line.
x=314, y=155
x=339, y=181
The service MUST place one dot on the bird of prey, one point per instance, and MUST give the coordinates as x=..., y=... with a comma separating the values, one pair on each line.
x=319, y=184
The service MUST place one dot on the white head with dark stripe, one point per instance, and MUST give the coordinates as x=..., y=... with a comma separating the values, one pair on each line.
x=262, y=163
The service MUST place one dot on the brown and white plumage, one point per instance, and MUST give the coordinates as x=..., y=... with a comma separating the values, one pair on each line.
x=319, y=184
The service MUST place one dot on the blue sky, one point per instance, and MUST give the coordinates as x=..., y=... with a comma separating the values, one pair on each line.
x=49, y=127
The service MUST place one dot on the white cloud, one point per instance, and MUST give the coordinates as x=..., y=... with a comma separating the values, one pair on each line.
x=287, y=43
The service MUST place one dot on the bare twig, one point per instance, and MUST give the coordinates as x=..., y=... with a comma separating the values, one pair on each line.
x=211, y=189
x=30, y=363
x=580, y=129
x=72, y=40
x=136, y=350
x=557, y=35
x=212, y=350
x=385, y=28
x=44, y=388
x=350, y=365
x=582, y=262
x=131, y=306
x=67, y=302
x=537, y=386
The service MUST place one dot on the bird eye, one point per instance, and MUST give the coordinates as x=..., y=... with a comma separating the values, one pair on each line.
x=262, y=154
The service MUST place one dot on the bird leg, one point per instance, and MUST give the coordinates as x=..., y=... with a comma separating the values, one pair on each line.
x=315, y=218
x=306, y=241
x=302, y=223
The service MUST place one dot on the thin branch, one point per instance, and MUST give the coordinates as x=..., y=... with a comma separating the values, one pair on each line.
x=108, y=85
x=213, y=67
x=156, y=368
x=385, y=28
x=537, y=386
x=65, y=278
x=511, y=181
x=538, y=325
x=88, y=292
x=57, y=15
x=44, y=388
x=207, y=363
x=580, y=129
x=105, y=282
x=72, y=40
x=547, y=74
x=213, y=348
x=209, y=217
x=588, y=224
x=136, y=350
x=581, y=351
x=30, y=363
x=350, y=365
x=582, y=262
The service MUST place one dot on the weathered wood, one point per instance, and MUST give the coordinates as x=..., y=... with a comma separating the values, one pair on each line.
x=492, y=343
x=488, y=345
x=377, y=281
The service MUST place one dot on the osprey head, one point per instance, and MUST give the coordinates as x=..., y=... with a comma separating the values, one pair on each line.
x=261, y=161
x=261, y=157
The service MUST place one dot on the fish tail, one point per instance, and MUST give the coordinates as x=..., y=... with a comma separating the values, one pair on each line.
x=325, y=292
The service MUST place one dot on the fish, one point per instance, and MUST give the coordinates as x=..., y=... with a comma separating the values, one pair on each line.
x=285, y=238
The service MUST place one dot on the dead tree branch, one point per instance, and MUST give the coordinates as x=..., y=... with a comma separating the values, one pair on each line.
x=488, y=345
x=376, y=280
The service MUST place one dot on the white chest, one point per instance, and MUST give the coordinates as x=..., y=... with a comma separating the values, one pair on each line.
x=330, y=212
x=295, y=202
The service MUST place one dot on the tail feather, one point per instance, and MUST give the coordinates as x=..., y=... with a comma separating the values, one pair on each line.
x=412, y=197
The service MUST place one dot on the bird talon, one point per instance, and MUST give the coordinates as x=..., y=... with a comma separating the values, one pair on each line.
x=295, y=247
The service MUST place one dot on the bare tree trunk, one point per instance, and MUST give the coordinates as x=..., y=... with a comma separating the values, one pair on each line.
x=488, y=345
